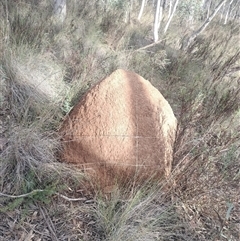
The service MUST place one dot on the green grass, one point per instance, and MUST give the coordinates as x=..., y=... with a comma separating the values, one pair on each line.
x=45, y=68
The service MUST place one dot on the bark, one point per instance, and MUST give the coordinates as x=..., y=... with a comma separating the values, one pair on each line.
x=232, y=12
x=164, y=4
x=170, y=9
x=160, y=13
x=8, y=27
x=205, y=3
x=222, y=11
x=228, y=11
x=189, y=40
x=60, y=10
x=141, y=10
x=233, y=7
x=128, y=12
x=191, y=15
x=156, y=21
x=171, y=16
x=209, y=7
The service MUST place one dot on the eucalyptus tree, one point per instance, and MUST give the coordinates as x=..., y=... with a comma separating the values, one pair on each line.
x=170, y=15
x=141, y=9
x=209, y=8
x=228, y=11
x=60, y=10
x=157, y=20
x=170, y=8
x=235, y=10
x=189, y=40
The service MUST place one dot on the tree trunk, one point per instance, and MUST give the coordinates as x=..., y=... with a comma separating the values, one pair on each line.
x=127, y=19
x=235, y=14
x=191, y=14
x=189, y=40
x=209, y=8
x=170, y=9
x=160, y=13
x=60, y=10
x=203, y=3
x=156, y=21
x=228, y=11
x=222, y=11
x=232, y=11
x=141, y=10
x=171, y=16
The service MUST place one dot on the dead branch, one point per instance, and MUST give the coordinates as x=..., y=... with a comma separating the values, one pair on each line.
x=148, y=46
x=39, y=190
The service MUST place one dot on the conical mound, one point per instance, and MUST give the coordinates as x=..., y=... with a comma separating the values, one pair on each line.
x=122, y=126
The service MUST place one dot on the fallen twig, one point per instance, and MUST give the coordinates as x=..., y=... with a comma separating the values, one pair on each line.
x=148, y=46
x=71, y=199
x=40, y=190
x=22, y=195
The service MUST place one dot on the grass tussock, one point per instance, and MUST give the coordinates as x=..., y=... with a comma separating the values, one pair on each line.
x=140, y=213
x=45, y=68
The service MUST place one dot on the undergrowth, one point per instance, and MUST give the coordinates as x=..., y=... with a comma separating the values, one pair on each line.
x=45, y=68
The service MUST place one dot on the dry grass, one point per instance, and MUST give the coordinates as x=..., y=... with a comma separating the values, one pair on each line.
x=143, y=212
x=207, y=148
x=45, y=68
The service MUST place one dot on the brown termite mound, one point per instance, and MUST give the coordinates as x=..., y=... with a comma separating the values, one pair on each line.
x=122, y=130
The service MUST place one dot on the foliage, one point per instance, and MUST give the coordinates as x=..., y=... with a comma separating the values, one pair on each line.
x=142, y=216
x=189, y=8
x=45, y=68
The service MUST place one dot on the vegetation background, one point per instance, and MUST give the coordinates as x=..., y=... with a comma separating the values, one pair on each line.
x=51, y=52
